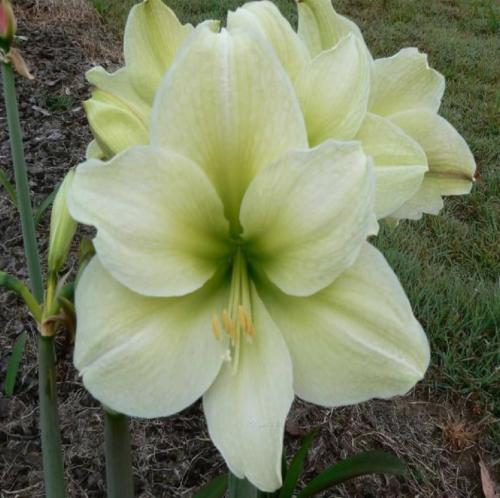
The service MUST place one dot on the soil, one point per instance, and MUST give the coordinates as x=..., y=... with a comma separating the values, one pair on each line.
x=440, y=438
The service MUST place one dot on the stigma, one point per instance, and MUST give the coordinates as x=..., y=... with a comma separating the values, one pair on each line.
x=235, y=323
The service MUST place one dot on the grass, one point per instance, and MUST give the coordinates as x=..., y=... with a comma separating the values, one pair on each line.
x=449, y=264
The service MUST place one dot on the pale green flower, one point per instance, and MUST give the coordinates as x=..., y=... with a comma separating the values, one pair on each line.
x=405, y=96
x=232, y=262
x=331, y=70
x=120, y=107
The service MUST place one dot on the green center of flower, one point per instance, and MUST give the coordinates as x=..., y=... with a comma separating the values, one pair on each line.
x=236, y=319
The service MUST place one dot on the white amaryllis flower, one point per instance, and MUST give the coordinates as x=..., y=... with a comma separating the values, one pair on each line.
x=120, y=107
x=405, y=97
x=232, y=262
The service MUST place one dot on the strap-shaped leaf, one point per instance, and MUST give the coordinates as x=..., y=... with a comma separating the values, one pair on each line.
x=214, y=489
x=9, y=188
x=13, y=365
x=370, y=462
x=37, y=217
x=297, y=465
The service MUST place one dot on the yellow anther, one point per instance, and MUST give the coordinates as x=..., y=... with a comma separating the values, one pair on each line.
x=242, y=316
x=216, y=327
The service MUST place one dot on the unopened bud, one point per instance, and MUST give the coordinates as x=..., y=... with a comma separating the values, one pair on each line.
x=8, y=24
x=62, y=227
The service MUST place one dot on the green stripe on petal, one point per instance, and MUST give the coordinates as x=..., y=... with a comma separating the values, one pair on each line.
x=356, y=339
x=153, y=35
x=333, y=91
x=451, y=163
x=140, y=355
x=321, y=27
x=405, y=81
x=246, y=410
x=160, y=225
x=228, y=105
x=306, y=217
x=400, y=163
x=264, y=18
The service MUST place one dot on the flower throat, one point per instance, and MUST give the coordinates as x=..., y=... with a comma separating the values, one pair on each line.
x=236, y=319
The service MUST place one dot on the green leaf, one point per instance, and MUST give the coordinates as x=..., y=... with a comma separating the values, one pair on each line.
x=9, y=188
x=297, y=466
x=370, y=462
x=44, y=206
x=13, y=365
x=215, y=489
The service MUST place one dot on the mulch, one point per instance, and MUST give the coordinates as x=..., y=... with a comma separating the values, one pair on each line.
x=438, y=438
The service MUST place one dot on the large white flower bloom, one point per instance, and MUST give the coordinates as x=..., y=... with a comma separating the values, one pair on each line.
x=232, y=262
x=120, y=108
x=405, y=96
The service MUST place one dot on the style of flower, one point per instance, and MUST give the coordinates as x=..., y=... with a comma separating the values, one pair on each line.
x=232, y=262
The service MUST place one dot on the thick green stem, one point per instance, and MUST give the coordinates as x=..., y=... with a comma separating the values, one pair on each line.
x=49, y=421
x=119, y=476
x=53, y=468
x=241, y=488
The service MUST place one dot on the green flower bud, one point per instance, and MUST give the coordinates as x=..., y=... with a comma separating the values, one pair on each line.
x=62, y=227
x=8, y=23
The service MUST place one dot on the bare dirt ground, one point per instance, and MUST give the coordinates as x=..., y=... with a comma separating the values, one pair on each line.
x=442, y=439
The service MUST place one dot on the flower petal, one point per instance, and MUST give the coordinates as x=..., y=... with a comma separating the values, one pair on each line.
x=451, y=163
x=228, y=105
x=94, y=151
x=153, y=35
x=140, y=355
x=321, y=27
x=333, y=91
x=246, y=410
x=160, y=225
x=405, y=81
x=400, y=163
x=355, y=340
x=264, y=18
x=306, y=217
x=118, y=89
x=114, y=126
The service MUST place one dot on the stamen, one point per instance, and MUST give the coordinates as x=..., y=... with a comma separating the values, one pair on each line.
x=216, y=327
x=237, y=317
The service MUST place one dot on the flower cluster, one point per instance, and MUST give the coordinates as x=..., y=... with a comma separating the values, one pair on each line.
x=234, y=179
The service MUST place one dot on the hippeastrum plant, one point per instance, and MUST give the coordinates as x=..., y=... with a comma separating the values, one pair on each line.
x=390, y=105
x=232, y=262
x=405, y=97
x=120, y=107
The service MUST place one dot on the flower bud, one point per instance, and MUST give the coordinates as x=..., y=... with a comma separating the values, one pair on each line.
x=8, y=23
x=62, y=227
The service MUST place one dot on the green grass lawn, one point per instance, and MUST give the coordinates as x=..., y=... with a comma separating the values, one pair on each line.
x=449, y=264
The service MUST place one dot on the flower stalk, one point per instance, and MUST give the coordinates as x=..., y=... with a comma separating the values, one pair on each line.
x=242, y=488
x=49, y=420
x=118, y=456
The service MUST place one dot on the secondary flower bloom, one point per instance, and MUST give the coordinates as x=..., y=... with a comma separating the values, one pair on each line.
x=405, y=96
x=120, y=107
x=232, y=262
